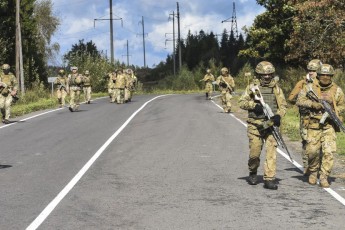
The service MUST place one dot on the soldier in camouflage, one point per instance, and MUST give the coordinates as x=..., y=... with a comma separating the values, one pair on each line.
x=8, y=90
x=226, y=85
x=120, y=85
x=208, y=79
x=321, y=135
x=307, y=81
x=87, y=87
x=258, y=130
x=61, y=83
x=75, y=81
x=130, y=86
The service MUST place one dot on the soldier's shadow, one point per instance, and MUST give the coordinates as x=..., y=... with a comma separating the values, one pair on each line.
x=5, y=166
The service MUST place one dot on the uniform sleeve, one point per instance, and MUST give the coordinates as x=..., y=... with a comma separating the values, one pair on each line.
x=303, y=100
x=246, y=102
x=340, y=100
x=296, y=90
x=14, y=83
x=281, y=102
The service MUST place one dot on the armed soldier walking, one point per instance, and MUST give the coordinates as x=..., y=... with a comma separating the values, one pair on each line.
x=259, y=129
x=8, y=90
x=208, y=79
x=75, y=83
x=87, y=87
x=61, y=83
x=226, y=86
x=307, y=81
x=322, y=126
x=120, y=85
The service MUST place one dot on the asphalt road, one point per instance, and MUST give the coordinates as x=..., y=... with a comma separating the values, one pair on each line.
x=176, y=162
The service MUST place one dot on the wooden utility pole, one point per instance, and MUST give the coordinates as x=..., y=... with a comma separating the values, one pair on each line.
x=19, y=51
x=179, y=37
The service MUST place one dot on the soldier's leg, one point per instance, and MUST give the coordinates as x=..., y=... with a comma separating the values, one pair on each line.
x=2, y=106
x=271, y=158
x=329, y=147
x=313, y=151
x=110, y=92
x=77, y=99
x=8, y=102
x=113, y=96
x=63, y=98
x=223, y=98
x=85, y=94
x=59, y=95
x=126, y=95
x=72, y=100
x=228, y=97
x=303, y=128
x=255, y=147
x=122, y=95
x=89, y=91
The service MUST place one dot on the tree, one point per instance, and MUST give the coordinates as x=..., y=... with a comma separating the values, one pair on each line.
x=80, y=51
x=318, y=32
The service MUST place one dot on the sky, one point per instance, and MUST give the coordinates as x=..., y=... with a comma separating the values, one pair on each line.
x=77, y=18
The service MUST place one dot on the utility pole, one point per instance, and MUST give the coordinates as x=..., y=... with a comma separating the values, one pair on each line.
x=19, y=51
x=111, y=30
x=179, y=37
x=142, y=23
x=174, y=49
x=111, y=33
x=233, y=21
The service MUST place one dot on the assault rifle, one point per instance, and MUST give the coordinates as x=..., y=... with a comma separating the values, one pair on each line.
x=227, y=84
x=329, y=113
x=269, y=114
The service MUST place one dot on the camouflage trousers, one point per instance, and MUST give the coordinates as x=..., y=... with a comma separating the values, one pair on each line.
x=226, y=100
x=75, y=97
x=303, y=130
x=61, y=95
x=87, y=93
x=5, y=106
x=119, y=94
x=256, y=141
x=323, y=139
x=208, y=89
x=128, y=94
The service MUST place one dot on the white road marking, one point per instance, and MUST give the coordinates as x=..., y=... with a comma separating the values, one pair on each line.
x=51, y=206
x=329, y=190
x=40, y=114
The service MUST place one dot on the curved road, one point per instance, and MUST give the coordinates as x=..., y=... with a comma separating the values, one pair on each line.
x=175, y=162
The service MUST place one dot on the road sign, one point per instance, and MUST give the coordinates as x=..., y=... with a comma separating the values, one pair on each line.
x=51, y=79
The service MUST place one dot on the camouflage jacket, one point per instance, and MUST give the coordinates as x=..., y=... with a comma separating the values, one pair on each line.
x=333, y=94
x=226, y=83
x=61, y=82
x=121, y=81
x=208, y=78
x=298, y=87
x=247, y=101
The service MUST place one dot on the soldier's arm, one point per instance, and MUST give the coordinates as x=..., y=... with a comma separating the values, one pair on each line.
x=281, y=102
x=340, y=100
x=303, y=100
x=296, y=90
x=246, y=102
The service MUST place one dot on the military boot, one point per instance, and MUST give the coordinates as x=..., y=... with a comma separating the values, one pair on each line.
x=323, y=181
x=253, y=178
x=312, y=178
x=306, y=171
x=270, y=184
x=207, y=96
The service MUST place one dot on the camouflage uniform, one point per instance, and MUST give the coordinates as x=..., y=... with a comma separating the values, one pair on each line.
x=75, y=83
x=62, y=87
x=208, y=79
x=87, y=87
x=321, y=136
x=312, y=66
x=226, y=86
x=111, y=78
x=258, y=130
x=7, y=91
x=130, y=86
x=120, y=85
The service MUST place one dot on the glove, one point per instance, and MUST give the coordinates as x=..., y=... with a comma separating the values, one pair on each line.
x=276, y=120
x=316, y=105
x=258, y=109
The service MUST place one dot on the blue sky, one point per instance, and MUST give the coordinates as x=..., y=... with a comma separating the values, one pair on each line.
x=77, y=22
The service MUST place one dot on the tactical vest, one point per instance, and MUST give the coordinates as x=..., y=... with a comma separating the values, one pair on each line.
x=87, y=81
x=269, y=98
x=75, y=80
x=7, y=79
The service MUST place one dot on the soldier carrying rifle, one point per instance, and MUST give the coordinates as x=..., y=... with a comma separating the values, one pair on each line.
x=8, y=92
x=62, y=87
x=325, y=101
x=261, y=96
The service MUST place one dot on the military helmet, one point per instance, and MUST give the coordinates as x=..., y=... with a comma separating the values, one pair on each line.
x=265, y=67
x=74, y=68
x=61, y=71
x=224, y=70
x=87, y=72
x=208, y=71
x=5, y=66
x=314, y=64
x=325, y=69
